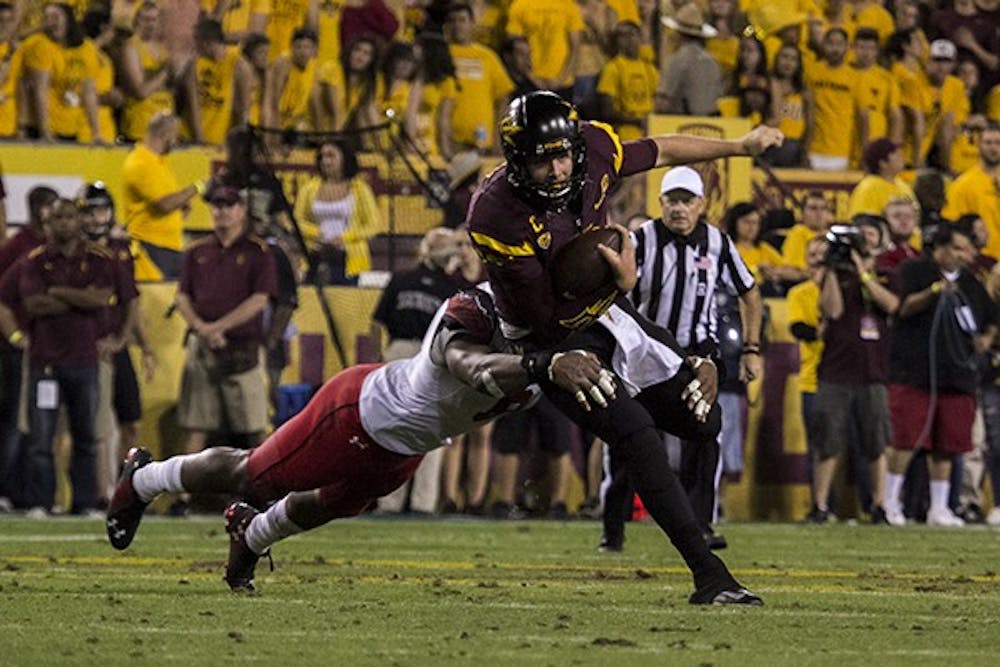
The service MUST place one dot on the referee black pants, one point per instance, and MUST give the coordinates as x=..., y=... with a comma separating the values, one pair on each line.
x=699, y=456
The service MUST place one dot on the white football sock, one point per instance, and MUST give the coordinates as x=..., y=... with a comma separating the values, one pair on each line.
x=939, y=495
x=271, y=526
x=893, y=489
x=159, y=477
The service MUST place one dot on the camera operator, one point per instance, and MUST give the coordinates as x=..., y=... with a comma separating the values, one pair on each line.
x=945, y=317
x=854, y=366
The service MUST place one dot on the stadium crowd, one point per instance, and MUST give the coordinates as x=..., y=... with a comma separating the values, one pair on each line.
x=906, y=91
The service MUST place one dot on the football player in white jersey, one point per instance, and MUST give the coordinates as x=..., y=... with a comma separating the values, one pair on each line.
x=361, y=436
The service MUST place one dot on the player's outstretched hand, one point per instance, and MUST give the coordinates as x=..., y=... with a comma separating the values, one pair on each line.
x=581, y=374
x=760, y=139
x=622, y=263
x=700, y=393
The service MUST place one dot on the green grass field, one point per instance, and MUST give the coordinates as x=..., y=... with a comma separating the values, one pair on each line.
x=407, y=592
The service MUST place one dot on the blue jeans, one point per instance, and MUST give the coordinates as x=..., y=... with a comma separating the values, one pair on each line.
x=78, y=392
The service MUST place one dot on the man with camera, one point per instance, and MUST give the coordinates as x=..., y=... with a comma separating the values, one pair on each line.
x=854, y=367
x=945, y=319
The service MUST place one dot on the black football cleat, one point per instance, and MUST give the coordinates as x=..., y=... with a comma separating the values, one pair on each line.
x=737, y=595
x=242, y=561
x=611, y=544
x=125, y=509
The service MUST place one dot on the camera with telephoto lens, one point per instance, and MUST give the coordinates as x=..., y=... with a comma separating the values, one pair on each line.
x=841, y=240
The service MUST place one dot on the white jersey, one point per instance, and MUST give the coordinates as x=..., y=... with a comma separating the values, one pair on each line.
x=410, y=406
x=642, y=357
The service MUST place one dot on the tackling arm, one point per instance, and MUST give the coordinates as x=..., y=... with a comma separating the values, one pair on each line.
x=498, y=374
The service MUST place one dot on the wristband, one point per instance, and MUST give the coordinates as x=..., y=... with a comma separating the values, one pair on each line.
x=16, y=337
x=936, y=287
x=537, y=365
x=199, y=187
x=867, y=277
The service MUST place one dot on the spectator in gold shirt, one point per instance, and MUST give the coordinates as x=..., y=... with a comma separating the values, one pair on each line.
x=60, y=73
x=239, y=18
x=224, y=83
x=484, y=86
x=835, y=91
x=147, y=73
x=946, y=105
x=627, y=86
x=293, y=82
x=9, y=69
x=977, y=190
x=153, y=204
x=552, y=28
x=816, y=218
x=883, y=160
x=879, y=111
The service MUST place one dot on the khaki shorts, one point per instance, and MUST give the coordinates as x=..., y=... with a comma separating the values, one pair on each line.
x=209, y=402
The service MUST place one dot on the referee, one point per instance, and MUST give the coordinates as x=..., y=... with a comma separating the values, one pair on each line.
x=682, y=260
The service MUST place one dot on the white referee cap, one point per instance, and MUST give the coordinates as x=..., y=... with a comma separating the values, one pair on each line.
x=682, y=178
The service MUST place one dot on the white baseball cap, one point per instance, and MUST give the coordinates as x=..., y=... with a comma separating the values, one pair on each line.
x=682, y=178
x=943, y=49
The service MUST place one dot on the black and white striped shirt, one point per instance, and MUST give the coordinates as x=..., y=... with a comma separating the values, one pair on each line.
x=678, y=277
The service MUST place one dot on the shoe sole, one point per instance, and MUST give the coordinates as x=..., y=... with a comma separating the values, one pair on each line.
x=241, y=585
x=120, y=534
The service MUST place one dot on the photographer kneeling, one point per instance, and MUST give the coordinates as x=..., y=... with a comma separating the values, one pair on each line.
x=854, y=367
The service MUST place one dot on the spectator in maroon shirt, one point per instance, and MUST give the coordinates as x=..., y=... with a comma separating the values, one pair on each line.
x=40, y=201
x=227, y=280
x=974, y=32
x=64, y=285
x=902, y=215
x=12, y=321
x=370, y=18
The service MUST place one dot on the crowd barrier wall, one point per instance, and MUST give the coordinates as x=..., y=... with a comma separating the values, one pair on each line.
x=402, y=203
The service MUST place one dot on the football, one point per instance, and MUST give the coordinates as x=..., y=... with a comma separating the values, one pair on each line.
x=578, y=269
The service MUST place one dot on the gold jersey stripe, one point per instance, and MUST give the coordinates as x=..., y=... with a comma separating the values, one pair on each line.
x=619, y=152
x=523, y=250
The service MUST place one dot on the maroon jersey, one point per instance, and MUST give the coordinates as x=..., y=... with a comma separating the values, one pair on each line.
x=517, y=241
x=217, y=279
x=70, y=338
